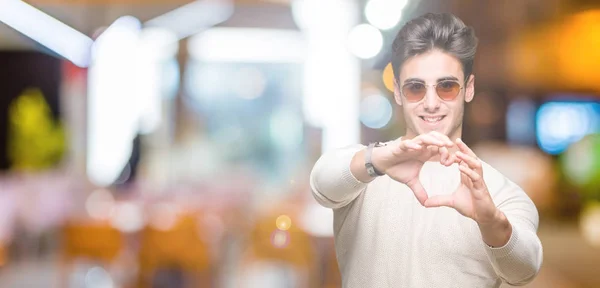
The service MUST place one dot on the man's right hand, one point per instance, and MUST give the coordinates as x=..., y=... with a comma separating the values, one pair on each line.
x=402, y=159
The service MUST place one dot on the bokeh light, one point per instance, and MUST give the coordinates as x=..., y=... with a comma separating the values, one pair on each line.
x=280, y=239
x=388, y=77
x=97, y=277
x=163, y=216
x=283, y=222
x=128, y=217
x=589, y=224
x=520, y=121
x=375, y=111
x=100, y=204
x=581, y=163
x=384, y=14
x=559, y=124
x=365, y=41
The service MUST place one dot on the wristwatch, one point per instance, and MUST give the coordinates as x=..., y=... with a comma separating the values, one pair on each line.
x=368, y=164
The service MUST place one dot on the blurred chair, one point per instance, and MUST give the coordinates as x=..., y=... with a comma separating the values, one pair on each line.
x=179, y=250
x=291, y=247
x=98, y=242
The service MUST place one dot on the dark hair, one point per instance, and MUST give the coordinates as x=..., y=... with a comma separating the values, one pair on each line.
x=435, y=31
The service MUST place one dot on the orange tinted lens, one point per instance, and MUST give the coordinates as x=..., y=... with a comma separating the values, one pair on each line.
x=447, y=90
x=414, y=91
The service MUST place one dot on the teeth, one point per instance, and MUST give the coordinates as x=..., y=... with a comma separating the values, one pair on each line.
x=432, y=119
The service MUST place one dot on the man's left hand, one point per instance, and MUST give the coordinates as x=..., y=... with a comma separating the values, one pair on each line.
x=472, y=198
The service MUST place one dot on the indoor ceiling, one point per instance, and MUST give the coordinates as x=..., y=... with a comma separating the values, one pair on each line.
x=89, y=15
x=496, y=22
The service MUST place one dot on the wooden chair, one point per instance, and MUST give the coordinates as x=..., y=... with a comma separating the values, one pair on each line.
x=93, y=241
x=293, y=247
x=180, y=247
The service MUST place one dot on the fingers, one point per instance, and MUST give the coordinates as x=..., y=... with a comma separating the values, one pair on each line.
x=447, y=158
x=417, y=188
x=444, y=155
x=434, y=142
x=470, y=165
x=475, y=177
x=435, y=138
x=452, y=159
x=433, y=149
x=447, y=142
x=409, y=144
x=428, y=139
x=464, y=178
x=439, y=201
x=473, y=162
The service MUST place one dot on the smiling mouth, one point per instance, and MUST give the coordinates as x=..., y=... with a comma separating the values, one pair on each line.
x=432, y=120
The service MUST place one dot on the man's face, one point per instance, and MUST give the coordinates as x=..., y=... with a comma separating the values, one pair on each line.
x=432, y=113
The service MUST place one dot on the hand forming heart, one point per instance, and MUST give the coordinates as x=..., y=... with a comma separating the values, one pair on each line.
x=472, y=198
x=402, y=161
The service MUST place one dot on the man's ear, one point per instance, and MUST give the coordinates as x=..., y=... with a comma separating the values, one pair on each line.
x=397, y=94
x=470, y=89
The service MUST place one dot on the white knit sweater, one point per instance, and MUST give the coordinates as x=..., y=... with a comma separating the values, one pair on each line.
x=385, y=238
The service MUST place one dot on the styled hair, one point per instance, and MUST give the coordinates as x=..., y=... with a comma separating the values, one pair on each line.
x=443, y=31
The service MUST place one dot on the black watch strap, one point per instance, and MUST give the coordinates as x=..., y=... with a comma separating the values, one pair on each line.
x=368, y=163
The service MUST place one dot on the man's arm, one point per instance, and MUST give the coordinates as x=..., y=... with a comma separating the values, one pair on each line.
x=497, y=232
x=519, y=258
x=506, y=217
x=339, y=176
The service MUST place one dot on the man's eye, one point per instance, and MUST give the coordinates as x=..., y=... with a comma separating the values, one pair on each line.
x=448, y=85
x=416, y=86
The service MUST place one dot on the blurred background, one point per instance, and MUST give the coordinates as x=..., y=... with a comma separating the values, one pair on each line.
x=155, y=143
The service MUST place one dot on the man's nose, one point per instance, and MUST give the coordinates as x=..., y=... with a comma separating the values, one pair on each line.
x=432, y=101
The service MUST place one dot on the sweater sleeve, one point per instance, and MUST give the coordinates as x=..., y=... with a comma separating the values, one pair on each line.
x=331, y=181
x=519, y=261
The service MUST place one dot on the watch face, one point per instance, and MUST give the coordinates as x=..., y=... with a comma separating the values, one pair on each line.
x=370, y=171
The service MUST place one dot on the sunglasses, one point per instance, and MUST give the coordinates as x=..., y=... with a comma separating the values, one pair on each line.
x=447, y=90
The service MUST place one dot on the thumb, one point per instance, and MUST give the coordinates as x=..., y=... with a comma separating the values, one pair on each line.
x=417, y=188
x=440, y=200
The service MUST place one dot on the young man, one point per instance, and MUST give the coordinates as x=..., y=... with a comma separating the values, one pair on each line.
x=423, y=210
